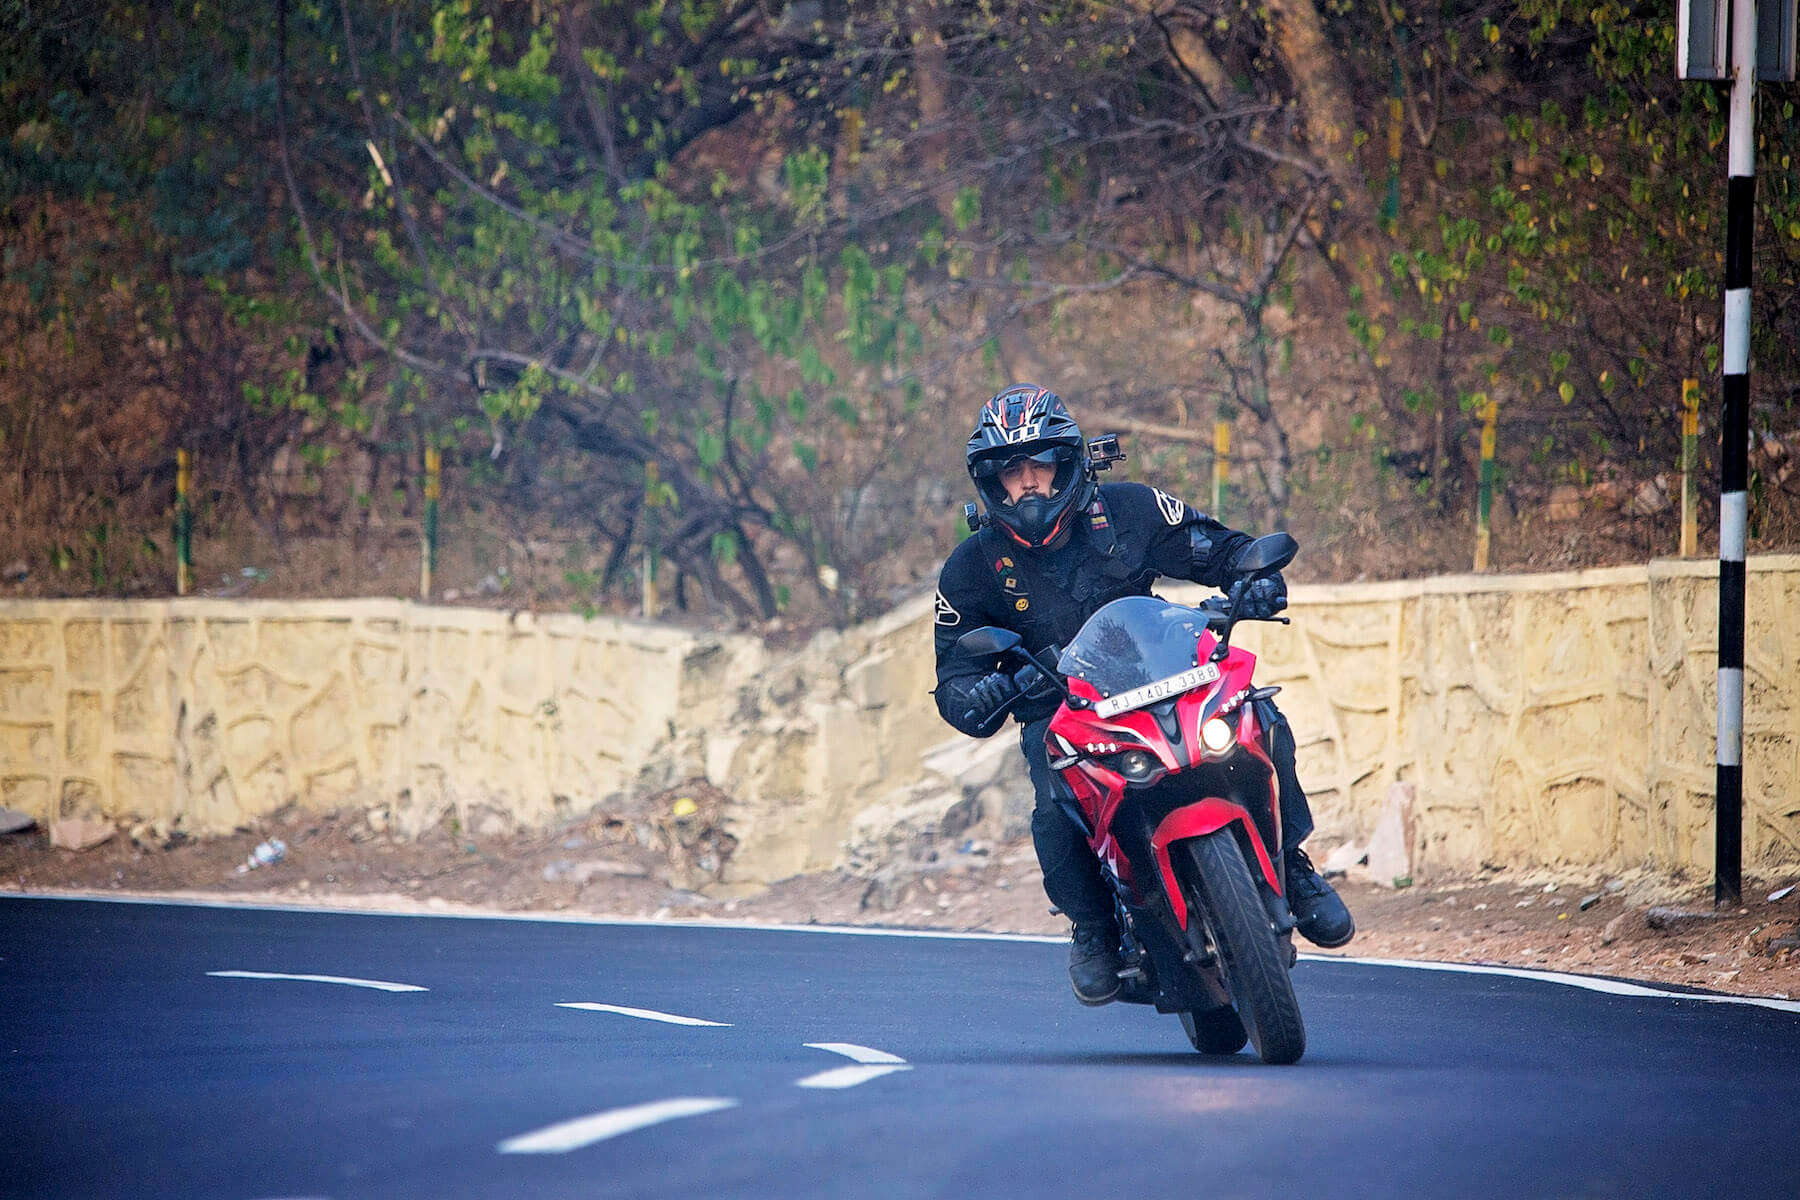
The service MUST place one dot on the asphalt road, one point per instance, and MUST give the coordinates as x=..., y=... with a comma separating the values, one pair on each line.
x=128, y=1069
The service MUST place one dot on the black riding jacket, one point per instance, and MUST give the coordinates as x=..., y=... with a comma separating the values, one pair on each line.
x=1126, y=539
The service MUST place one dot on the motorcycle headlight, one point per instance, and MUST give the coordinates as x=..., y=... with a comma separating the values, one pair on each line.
x=1217, y=736
x=1139, y=766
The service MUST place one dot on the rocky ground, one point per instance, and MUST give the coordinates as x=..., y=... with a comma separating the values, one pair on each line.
x=1637, y=926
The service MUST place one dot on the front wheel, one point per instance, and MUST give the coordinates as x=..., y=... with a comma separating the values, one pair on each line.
x=1214, y=1030
x=1255, y=968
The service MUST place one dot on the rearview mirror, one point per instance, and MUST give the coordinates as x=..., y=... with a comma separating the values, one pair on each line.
x=1267, y=554
x=990, y=641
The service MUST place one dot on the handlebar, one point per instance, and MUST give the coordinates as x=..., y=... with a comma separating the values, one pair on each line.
x=1217, y=610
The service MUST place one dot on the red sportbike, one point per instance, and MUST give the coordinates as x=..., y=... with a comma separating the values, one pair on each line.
x=1162, y=740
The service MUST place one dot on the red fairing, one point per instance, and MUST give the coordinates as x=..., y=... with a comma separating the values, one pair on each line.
x=1197, y=820
x=1099, y=790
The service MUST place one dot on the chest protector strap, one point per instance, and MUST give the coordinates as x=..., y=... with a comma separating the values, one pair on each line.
x=1100, y=533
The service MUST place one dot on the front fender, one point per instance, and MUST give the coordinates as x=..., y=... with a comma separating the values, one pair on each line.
x=1197, y=820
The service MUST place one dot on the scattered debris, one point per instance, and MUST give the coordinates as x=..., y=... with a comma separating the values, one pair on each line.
x=80, y=833
x=1662, y=917
x=17, y=571
x=583, y=872
x=1780, y=894
x=1340, y=860
x=1390, y=846
x=1590, y=900
x=563, y=870
x=12, y=821
x=266, y=854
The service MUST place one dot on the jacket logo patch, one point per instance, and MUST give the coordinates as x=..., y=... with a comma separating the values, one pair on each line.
x=1172, y=509
x=945, y=614
x=1021, y=604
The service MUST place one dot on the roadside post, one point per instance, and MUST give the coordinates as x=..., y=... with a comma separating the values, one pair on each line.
x=1221, y=466
x=1390, y=204
x=652, y=501
x=184, y=522
x=1690, y=445
x=1484, y=505
x=1732, y=41
x=434, y=463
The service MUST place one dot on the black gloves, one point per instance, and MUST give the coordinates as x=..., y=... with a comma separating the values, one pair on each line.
x=1034, y=684
x=1263, y=598
x=988, y=698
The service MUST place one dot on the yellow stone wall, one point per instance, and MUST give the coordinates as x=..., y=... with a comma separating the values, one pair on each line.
x=217, y=712
x=1547, y=719
x=1544, y=719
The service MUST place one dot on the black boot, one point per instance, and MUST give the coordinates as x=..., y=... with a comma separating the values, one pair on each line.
x=1094, y=962
x=1320, y=916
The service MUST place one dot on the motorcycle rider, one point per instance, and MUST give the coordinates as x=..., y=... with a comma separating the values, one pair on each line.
x=1055, y=545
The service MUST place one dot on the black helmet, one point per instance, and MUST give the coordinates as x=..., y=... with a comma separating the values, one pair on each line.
x=1029, y=422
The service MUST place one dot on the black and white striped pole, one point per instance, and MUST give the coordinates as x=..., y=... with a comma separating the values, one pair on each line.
x=1717, y=42
x=1734, y=459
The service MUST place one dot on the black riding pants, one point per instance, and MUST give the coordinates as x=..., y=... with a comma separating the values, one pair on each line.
x=1072, y=877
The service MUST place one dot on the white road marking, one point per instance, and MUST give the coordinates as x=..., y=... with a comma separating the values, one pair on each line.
x=945, y=935
x=378, y=984
x=1592, y=983
x=647, y=1014
x=597, y=1127
x=875, y=1064
x=855, y=1053
x=843, y=1077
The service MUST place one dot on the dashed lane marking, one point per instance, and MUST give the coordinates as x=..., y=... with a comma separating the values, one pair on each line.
x=846, y=1076
x=597, y=1127
x=855, y=1053
x=645, y=1014
x=874, y=1064
x=379, y=985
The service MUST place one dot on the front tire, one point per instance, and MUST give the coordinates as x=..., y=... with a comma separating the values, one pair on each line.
x=1215, y=1030
x=1255, y=967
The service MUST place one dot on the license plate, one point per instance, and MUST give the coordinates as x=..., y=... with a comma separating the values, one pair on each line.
x=1162, y=689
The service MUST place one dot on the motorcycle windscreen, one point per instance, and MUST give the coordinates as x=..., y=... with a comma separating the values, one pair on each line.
x=1134, y=642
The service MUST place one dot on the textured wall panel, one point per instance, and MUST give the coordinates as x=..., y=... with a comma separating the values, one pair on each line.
x=1542, y=719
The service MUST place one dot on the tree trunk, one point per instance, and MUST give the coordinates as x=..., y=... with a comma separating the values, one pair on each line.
x=1327, y=115
x=930, y=66
x=1278, y=466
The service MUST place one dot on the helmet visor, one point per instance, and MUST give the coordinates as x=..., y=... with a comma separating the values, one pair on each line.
x=991, y=470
